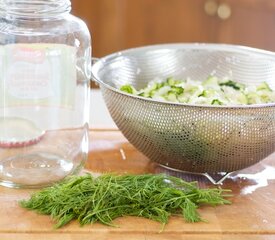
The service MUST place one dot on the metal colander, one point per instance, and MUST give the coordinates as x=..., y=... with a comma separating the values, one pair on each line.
x=193, y=138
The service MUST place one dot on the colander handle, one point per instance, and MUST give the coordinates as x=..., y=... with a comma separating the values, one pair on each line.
x=93, y=79
x=94, y=60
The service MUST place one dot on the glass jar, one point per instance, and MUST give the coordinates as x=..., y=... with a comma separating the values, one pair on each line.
x=45, y=59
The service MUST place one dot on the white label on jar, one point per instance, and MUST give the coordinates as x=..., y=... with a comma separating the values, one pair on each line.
x=37, y=74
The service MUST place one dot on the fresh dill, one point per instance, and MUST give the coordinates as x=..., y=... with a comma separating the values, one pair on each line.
x=102, y=199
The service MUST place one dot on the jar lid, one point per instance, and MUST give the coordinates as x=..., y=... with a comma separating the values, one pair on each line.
x=18, y=132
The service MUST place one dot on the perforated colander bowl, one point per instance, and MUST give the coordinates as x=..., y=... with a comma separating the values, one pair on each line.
x=193, y=138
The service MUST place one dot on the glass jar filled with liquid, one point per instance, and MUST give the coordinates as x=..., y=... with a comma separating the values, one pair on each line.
x=45, y=59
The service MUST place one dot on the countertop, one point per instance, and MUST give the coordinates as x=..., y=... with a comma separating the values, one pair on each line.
x=250, y=216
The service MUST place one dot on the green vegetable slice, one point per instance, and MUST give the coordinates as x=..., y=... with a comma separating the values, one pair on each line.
x=230, y=83
x=216, y=102
x=128, y=89
x=264, y=86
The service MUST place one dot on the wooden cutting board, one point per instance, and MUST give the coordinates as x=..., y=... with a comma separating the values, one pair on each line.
x=251, y=215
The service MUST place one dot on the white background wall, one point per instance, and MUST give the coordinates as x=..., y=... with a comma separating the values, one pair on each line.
x=99, y=115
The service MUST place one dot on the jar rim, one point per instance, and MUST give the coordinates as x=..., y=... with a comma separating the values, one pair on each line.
x=31, y=9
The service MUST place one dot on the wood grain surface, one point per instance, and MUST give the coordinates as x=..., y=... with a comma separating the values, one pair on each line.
x=251, y=215
x=122, y=24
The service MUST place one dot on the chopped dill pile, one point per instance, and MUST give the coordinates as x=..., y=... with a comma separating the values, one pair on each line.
x=102, y=199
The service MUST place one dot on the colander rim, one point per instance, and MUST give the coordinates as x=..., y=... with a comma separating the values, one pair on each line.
x=99, y=63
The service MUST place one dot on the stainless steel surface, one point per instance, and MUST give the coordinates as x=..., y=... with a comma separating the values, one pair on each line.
x=194, y=138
